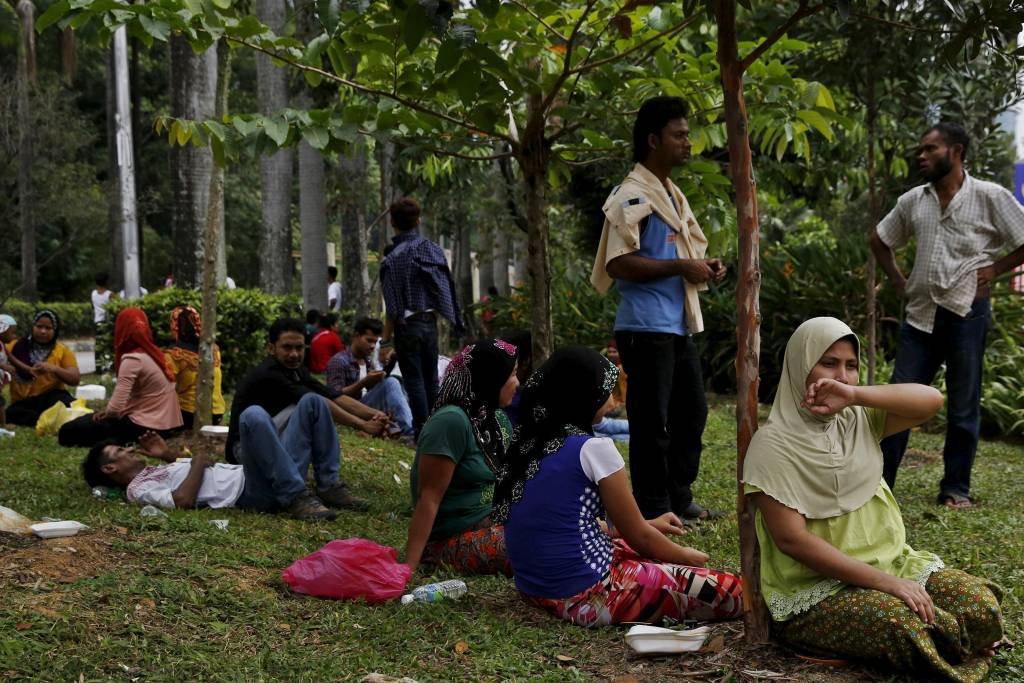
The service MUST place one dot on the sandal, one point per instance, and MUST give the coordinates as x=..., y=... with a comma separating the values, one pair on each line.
x=955, y=501
x=700, y=513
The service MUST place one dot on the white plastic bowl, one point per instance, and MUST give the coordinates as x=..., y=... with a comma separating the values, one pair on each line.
x=57, y=529
x=91, y=392
x=219, y=431
x=656, y=640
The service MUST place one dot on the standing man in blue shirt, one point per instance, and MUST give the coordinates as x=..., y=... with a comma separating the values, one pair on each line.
x=653, y=249
x=417, y=287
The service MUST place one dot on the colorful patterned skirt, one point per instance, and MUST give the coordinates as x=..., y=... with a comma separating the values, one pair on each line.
x=866, y=624
x=480, y=550
x=638, y=590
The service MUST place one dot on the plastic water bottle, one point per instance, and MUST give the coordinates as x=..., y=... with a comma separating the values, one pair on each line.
x=6, y=433
x=436, y=592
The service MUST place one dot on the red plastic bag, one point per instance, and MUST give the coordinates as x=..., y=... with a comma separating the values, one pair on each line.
x=350, y=569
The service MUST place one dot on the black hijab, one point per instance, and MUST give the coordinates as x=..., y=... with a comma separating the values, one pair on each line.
x=473, y=382
x=558, y=401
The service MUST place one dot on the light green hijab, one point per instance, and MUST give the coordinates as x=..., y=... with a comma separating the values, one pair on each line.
x=820, y=465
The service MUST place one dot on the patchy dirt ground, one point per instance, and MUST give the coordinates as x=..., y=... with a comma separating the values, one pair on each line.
x=29, y=561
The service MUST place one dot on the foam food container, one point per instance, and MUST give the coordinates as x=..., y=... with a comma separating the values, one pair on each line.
x=657, y=640
x=91, y=392
x=220, y=431
x=57, y=529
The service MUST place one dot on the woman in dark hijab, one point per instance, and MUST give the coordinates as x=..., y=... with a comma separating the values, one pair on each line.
x=571, y=557
x=45, y=368
x=457, y=454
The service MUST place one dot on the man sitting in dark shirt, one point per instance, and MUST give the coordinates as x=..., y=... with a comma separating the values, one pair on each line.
x=269, y=413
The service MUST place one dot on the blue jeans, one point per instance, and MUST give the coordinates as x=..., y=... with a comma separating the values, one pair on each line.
x=416, y=347
x=275, y=465
x=960, y=344
x=389, y=396
x=616, y=429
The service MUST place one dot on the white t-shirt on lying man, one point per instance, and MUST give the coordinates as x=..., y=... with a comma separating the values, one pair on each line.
x=221, y=487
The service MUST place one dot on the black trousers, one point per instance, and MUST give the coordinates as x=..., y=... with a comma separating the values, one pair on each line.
x=26, y=412
x=84, y=432
x=416, y=348
x=667, y=413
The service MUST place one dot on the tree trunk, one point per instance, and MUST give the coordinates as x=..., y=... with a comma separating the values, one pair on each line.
x=193, y=85
x=533, y=159
x=26, y=76
x=756, y=620
x=463, y=275
x=213, y=237
x=355, y=272
x=872, y=275
x=313, y=221
x=136, y=106
x=519, y=261
x=114, y=232
x=485, y=259
x=68, y=57
x=499, y=266
x=276, y=170
x=125, y=169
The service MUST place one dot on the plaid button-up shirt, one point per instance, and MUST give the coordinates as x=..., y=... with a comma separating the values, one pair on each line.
x=343, y=370
x=415, y=277
x=981, y=222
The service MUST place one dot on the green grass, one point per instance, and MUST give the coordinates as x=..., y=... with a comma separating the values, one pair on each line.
x=178, y=599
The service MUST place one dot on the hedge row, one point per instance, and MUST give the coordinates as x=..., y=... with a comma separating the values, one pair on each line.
x=75, y=317
x=243, y=316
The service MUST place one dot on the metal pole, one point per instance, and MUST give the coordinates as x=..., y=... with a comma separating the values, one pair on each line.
x=126, y=165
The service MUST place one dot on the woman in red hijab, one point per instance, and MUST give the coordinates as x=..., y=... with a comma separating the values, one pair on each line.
x=144, y=398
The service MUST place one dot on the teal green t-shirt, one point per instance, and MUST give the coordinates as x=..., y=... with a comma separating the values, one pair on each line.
x=469, y=495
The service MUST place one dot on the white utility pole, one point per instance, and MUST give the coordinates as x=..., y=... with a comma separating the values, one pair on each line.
x=126, y=165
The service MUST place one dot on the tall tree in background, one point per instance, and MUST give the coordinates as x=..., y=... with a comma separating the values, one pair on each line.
x=276, y=168
x=352, y=173
x=193, y=90
x=26, y=81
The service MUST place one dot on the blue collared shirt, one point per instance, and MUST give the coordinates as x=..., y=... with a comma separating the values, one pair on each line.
x=415, y=277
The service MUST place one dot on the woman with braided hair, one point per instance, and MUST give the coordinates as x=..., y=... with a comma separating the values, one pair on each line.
x=144, y=398
x=459, y=450
x=569, y=555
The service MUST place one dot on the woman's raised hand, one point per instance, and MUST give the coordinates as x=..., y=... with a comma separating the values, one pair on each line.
x=828, y=397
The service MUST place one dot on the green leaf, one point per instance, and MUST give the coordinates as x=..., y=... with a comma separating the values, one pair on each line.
x=825, y=98
x=277, y=130
x=217, y=147
x=243, y=126
x=314, y=79
x=156, y=28
x=222, y=4
x=817, y=121
x=329, y=14
x=467, y=82
x=336, y=54
x=51, y=15
x=447, y=56
x=316, y=137
x=414, y=27
x=249, y=26
x=488, y=8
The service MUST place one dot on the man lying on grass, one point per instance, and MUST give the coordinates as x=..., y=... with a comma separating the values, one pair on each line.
x=274, y=481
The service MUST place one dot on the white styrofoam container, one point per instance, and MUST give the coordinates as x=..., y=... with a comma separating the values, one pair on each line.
x=57, y=529
x=91, y=392
x=656, y=640
x=220, y=431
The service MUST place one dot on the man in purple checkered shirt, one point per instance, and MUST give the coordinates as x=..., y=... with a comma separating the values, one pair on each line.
x=418, y=287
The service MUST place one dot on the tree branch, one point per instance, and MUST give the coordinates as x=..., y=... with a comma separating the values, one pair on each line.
x=461, y=155
x=900, y=24
x=539, y=19
x=667, y=33
x=545, y=105
x=803, y=11
x=359, y=87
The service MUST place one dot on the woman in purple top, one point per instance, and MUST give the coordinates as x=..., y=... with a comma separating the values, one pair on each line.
x=571, y=557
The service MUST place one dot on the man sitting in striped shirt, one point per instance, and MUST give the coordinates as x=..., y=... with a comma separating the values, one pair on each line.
x=963, y=227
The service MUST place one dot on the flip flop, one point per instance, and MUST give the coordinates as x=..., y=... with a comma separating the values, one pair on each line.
x=700, y=513
x=955, y=501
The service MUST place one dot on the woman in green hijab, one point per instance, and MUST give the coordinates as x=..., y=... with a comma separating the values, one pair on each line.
x=836, y=570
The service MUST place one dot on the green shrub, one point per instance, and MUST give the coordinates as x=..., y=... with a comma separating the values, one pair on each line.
x=75, y=317
x=243, y=316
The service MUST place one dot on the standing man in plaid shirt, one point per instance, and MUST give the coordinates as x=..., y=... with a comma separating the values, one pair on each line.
x=963, y=227
x=418, y=287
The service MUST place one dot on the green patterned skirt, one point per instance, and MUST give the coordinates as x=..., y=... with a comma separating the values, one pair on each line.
x=858, y=623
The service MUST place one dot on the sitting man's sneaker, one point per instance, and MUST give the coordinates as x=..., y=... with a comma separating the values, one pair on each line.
x=308, y=507
x=338, y=496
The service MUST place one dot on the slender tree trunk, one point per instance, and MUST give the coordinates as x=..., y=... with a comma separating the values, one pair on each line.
x=26, y=78
x=276, y=170
x=114, y=231
x=136, y=100
x=485, y=258
x=748, y=286
x=463, y=275
x=519, y=259
x=193, y=85
x=352, y=168
x=499, y=266
x=212, y=239
x=68, y=57
x=313, y=220
x=125, y=169
x=533, y=159
x=872, y=125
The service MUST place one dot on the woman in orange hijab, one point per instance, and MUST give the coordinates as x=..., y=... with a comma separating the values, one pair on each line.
x=144, y=397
